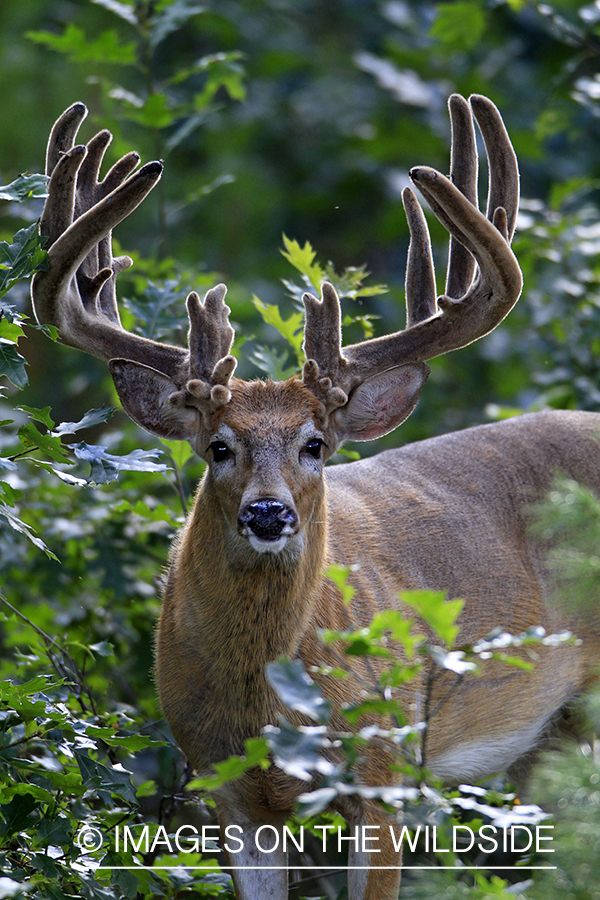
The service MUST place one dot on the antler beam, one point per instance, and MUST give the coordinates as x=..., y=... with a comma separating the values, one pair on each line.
x=474, y=306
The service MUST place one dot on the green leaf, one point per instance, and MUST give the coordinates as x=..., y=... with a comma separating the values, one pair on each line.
x=154, y=111
x=130, y=742
x=32, y=440
x=303, y=259
x=76, y=46
x=105, y=467
x=91, y=418
x=376, y=706
x=12, y=364
x=440, y=614
x=171, y=18
x=24, y=187
x=9, y=494
x=104, y=781
x=234, y=767
x=10, y=790
x=17, y=813
x=21, y=258
x=57, y=832
x=459, y=25
x=294, y=686
x=160, y=312
x=146, y=789
x=40, y=415
x=272, y=363
x=291, y=329
x=398, y=626
x=159, y=513
x=339, y=575
x=179, y=451
x=18, y=525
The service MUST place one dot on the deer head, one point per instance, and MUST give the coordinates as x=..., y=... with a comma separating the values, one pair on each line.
x=358, y=392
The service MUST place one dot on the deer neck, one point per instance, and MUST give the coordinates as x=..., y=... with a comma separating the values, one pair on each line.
x=259, y=603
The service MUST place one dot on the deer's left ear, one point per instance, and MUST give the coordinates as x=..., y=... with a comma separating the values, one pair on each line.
x=145, y=394
x=380, y=403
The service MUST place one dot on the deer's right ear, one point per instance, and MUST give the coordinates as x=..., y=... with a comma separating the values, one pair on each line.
x=380, y=403
x=145, y=394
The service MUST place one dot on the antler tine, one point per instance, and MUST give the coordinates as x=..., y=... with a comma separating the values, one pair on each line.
x=63, y=134
x=325, y=367
x=502, y=162
x=323, y=329
x=210, y=339
x=421, y=299
x=463, y=174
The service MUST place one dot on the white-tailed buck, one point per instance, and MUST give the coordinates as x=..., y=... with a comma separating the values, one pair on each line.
x=246, y=582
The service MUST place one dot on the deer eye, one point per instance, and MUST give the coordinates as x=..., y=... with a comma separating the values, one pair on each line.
x=220, y=451
x=313, y=448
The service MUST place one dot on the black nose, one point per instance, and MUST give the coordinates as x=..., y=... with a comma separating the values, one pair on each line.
x=267, y=518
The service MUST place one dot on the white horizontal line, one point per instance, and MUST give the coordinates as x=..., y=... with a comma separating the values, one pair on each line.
x=327, y=868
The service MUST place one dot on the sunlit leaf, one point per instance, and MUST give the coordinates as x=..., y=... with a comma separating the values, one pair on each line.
x=290, y=328
x=40, y=415
x=303, y=259
x=459, y=25
x=234, y=767
x=125, y=11
x=440, y=614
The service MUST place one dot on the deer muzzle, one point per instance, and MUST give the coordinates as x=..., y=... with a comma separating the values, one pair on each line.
x=267, y=523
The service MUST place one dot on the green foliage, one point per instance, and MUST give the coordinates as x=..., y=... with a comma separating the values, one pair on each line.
x=319, y=149
x=300, y=751
x=348, y=284
x=567, y=782
x=234, y=767
x=569, y=522
x=155, y=104
x=76, y=46
x=64, y=782
x=25, y=187
x=21, y=258
x=459, y=26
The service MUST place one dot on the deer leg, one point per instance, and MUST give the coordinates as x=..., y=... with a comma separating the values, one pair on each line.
x=374, y=875
x=254, y=850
